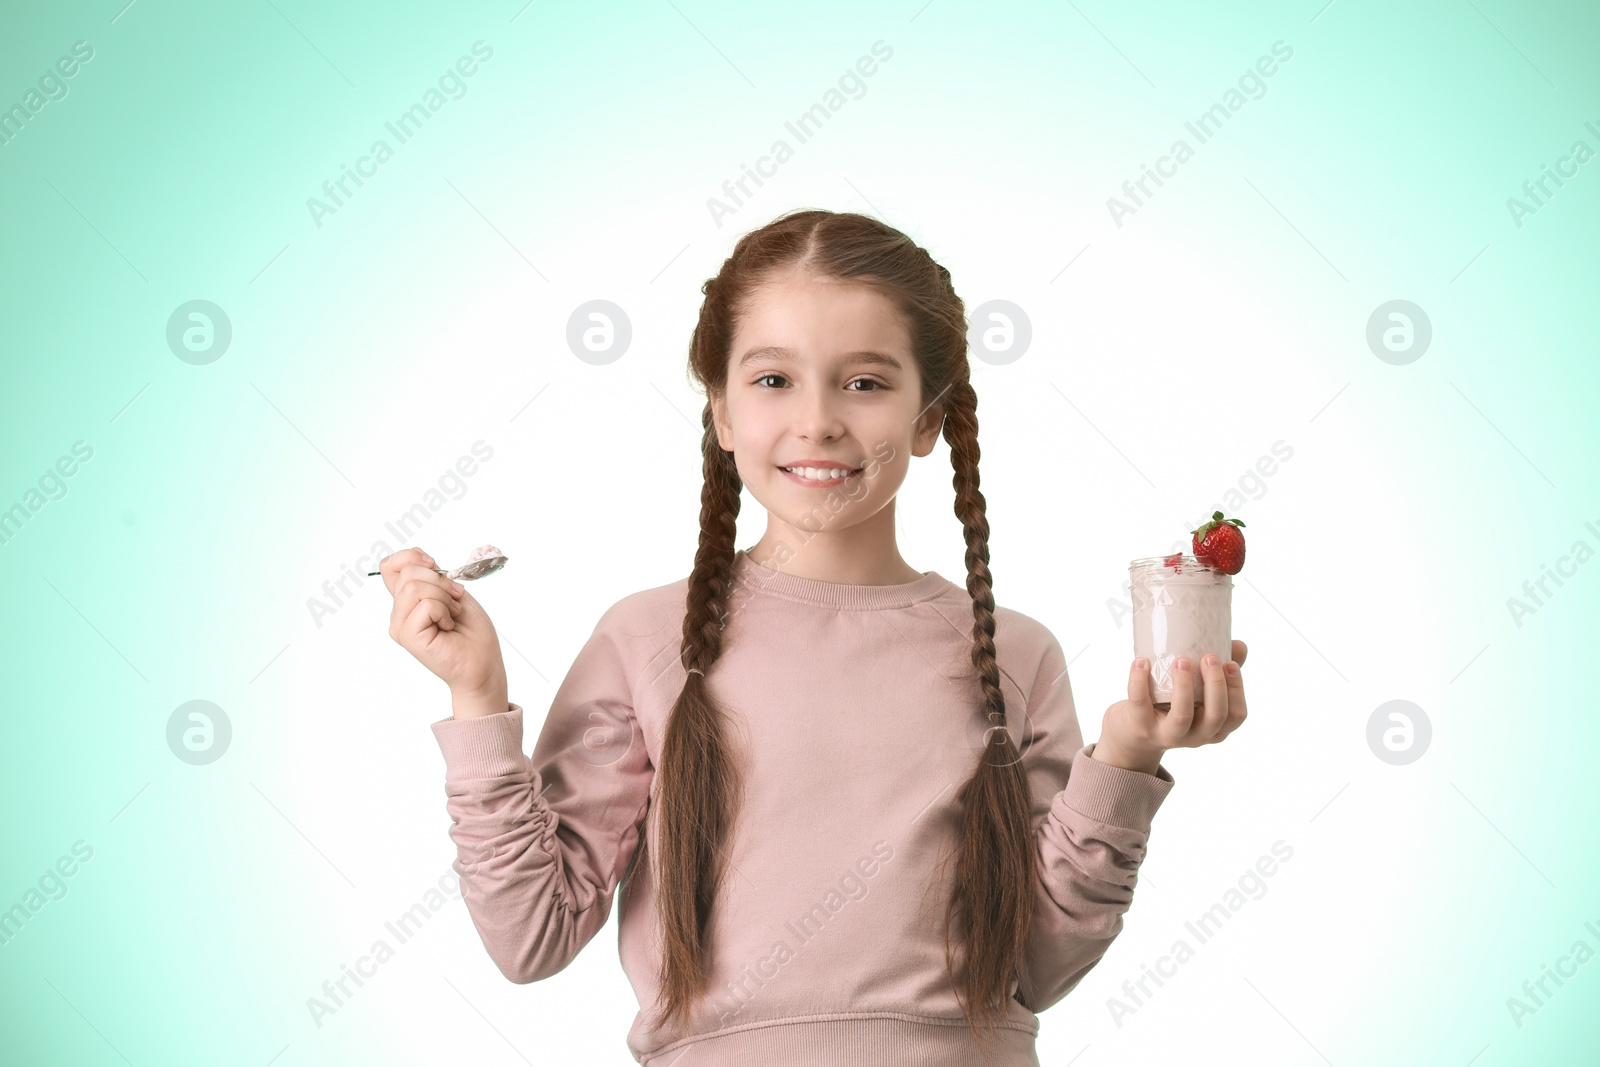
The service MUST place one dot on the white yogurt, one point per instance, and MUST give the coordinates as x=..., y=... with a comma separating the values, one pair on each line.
x=1185, y=611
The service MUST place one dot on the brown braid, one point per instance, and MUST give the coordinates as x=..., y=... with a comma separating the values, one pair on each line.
x=995, y=877
x=697, y=776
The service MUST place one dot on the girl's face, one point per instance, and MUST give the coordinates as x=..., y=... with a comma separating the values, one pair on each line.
x=821, y=374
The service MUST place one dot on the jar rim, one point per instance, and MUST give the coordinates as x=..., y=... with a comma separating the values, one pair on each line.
x=1189, y=563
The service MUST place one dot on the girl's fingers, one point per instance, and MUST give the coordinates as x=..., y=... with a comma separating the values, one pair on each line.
x=417, y=589
x=1214, y=718
x=1236, y=707
x=417, y=572
x=1174, y=726
x=395, y=562
x=1139, y=688
x=418, y=582
x=428, y=612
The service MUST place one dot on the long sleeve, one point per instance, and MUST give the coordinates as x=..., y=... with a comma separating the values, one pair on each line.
x=542, y=842
x=1091, y=837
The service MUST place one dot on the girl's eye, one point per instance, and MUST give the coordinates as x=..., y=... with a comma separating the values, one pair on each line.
x=876, y=385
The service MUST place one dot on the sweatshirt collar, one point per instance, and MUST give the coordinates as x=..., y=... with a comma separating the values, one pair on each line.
x=751, y=576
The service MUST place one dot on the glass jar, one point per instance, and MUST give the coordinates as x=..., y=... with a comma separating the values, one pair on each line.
x=1183, y=608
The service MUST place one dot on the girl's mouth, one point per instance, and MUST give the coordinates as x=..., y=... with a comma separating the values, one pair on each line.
x=794, y=475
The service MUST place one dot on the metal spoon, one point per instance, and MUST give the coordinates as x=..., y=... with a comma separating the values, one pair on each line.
x=475, y=568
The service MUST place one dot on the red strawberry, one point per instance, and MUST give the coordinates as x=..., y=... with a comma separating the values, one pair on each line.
x=1174, y=561
x=1219, y=544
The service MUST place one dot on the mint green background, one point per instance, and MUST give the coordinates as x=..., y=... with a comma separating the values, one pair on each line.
x=1229, y=312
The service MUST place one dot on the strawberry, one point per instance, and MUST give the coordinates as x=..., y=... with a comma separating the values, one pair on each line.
x=1219, y=544
x=1174, y=561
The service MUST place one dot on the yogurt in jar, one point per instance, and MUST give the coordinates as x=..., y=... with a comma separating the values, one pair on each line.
x=1182, y=609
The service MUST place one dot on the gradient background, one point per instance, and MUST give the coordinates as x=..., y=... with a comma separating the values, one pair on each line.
x=1168, y=355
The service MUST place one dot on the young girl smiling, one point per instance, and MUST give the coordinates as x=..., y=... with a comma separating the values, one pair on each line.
x=847, y=803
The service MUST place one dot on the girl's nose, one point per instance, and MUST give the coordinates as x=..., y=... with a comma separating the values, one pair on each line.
x=821, y=420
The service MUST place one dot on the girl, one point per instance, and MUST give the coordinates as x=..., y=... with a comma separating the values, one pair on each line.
x=779, y=758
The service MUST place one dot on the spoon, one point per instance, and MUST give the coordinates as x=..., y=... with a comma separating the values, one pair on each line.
x=484, y=561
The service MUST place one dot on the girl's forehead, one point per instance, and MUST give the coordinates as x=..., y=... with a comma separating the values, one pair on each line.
x=812, y=318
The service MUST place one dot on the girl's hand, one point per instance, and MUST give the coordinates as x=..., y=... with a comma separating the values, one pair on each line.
x=1135, y=734
x=443, y=626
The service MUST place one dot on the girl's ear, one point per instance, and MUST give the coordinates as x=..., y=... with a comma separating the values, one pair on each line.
x=928, y=428
x=719, y=420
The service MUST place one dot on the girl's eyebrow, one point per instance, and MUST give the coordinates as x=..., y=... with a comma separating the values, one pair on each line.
x=777, y=354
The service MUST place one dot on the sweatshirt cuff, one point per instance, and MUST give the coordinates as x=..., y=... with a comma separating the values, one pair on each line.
x=488, y=746
x=1115, y=796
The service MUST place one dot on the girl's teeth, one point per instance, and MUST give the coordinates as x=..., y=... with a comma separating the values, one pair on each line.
x=814, y=475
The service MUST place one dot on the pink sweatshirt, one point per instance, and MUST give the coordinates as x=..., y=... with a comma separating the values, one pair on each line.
x=855, y=710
